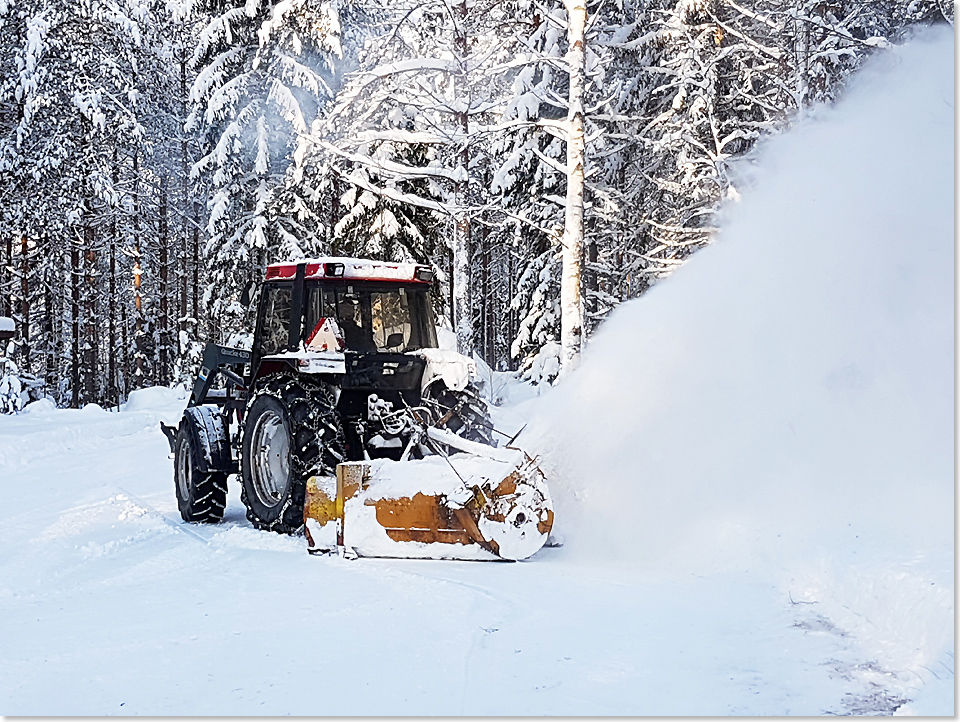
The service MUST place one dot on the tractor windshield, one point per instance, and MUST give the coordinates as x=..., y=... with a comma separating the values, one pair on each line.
x=374, y=317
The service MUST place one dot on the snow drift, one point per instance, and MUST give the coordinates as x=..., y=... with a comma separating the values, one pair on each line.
x=788, y=395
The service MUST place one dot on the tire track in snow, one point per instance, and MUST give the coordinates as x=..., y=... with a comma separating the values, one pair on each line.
x=227, y=535
x=178, y=526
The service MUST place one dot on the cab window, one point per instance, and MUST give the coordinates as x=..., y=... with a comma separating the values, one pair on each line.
x=373, y=319
x=320, y=305
x=275, y=328
x=390, y=314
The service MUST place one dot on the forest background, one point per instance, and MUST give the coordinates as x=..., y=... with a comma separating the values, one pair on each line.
x=155, y=155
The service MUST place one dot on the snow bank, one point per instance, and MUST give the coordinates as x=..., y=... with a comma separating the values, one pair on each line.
x=40, y=407
x=155, y=397
x=789, y=393
x=434, y=474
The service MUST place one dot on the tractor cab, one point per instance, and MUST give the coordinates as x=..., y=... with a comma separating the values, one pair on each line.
x=349, y=306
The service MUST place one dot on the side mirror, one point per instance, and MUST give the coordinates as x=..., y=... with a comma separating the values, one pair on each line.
x=7, y=328
x=394, y=339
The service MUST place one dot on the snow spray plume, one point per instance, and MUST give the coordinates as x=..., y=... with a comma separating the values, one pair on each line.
x=792, y=383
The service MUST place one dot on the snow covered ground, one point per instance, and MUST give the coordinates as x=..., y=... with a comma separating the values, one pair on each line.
x=753, y=472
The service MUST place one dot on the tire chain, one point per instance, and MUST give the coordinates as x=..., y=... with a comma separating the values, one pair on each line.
x=467, y=407
x=311, y=408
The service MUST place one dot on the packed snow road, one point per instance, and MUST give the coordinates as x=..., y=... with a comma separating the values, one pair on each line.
x=109, y=604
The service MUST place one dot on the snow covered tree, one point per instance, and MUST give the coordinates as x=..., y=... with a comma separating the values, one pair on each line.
x=11, y=388
x=528, y=187
x=263, y=74
x=411, y=126
x=536, y=343
x=81, y=94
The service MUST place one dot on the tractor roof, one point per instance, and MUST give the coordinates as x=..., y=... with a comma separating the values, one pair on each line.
x=360, y=269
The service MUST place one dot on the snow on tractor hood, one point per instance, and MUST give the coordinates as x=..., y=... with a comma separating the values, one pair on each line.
x=454, y=369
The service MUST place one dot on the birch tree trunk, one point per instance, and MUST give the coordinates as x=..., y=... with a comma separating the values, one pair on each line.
x=462, y=292
x=462, y=241
x=195, y=249
x=571, y=303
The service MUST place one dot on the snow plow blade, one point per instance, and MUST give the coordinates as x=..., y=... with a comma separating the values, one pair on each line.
x=464, y=506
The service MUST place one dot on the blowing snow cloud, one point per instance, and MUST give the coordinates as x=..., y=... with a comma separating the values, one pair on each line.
x=795, y=378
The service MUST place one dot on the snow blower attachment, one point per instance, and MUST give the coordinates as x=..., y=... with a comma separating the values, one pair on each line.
x=344, y=419
x=486, y=503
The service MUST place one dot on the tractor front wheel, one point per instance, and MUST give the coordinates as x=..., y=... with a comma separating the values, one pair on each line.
x=201, y=452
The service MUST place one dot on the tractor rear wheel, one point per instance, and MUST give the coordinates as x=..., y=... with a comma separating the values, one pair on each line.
x=201, y=449
x=291, y=432
x=462, y=412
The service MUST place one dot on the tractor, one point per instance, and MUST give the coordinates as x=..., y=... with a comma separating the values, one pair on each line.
x=344, y=412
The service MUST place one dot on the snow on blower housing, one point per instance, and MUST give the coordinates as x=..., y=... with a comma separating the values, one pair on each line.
x=345, y=420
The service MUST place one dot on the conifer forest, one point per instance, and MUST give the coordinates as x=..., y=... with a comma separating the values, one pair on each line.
x=549, y=159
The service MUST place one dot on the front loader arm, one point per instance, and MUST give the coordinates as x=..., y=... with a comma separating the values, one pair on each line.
x=218, y=360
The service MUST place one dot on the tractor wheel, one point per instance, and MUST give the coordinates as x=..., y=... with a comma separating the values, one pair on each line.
x=291, y=432
x=465, y=412
x=201, y=450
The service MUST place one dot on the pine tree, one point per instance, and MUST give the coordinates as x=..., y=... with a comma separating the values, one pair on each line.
x=263, y=75
x=80, y=93
x=409, y=128
x=528, y=186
